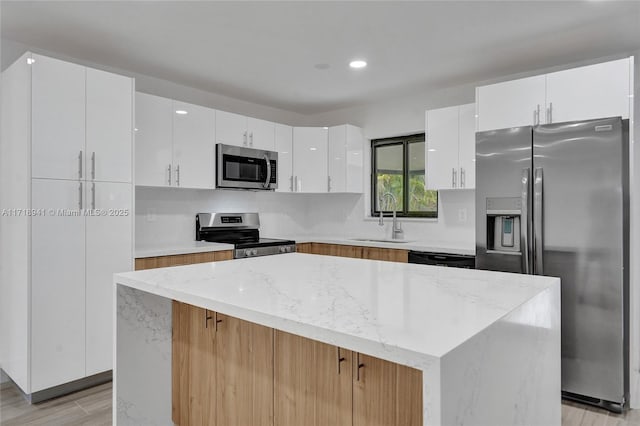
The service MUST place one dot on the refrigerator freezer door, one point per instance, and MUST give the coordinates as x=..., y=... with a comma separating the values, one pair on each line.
x=502, y=159
x=583, y=225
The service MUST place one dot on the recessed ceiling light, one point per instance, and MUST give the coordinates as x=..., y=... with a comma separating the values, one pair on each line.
x=326, y=128
x=432, y=150
x=312, y=149
x=358, y=63
x=181, y=112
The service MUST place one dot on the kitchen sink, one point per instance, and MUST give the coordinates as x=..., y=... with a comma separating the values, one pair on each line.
x=379, y=240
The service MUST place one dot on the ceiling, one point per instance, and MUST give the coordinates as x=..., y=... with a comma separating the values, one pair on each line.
x=268, y=52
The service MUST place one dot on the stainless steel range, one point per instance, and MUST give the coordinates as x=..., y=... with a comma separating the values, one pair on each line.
x=243, y=231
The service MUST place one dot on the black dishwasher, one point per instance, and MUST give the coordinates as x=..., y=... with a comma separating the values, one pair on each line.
x=442, y=259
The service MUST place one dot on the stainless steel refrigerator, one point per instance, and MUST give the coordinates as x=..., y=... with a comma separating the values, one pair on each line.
x=553, y=200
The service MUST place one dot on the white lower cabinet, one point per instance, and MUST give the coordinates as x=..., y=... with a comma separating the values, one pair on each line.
x=310, y=159
x=57, y=284
x=108, y=250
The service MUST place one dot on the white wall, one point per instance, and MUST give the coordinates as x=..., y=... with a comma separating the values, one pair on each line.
x=167, y=215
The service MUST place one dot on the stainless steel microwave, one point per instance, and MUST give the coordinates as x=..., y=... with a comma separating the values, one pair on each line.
x=246, y=168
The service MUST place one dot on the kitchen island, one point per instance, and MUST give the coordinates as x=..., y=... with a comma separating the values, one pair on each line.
x=486, y=344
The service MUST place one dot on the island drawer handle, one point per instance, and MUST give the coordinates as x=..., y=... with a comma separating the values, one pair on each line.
x=340, y=358
x=360, y=365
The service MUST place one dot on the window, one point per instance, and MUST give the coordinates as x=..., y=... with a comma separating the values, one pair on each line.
x=398, y=166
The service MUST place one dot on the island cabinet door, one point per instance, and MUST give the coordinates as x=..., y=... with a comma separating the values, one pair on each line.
x=385, y=393
x=313, y=383
x=193, y=365
x=244, y=373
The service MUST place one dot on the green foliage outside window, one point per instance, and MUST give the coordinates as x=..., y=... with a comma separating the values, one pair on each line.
x=390, y=159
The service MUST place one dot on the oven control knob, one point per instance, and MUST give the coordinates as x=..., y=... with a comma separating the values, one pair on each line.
x=254, y=252
x=288, y=249
x=283, y=249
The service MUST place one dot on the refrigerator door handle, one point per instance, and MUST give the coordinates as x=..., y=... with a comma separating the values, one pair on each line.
x=538, y=221
x=524, y=221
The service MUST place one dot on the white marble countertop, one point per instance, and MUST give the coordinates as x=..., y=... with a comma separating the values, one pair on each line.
x=179, y=248
x=406, y=313
x=410, y=244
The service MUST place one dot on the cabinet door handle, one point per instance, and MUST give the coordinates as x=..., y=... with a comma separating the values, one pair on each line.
x=93, y=166
x=251, y=138
x=80, y=191
x=328, y=183
x=550, y=112
x=359, y=365
x=244, y=138
x=340, y=358
x=296, y=184
x=217, y=321
x=207, y=317
x=169, y=170
x=93, y=196
x=178, y=175
x=462, y=178
x=291, y=183
x=80, y=165
x=454, y=177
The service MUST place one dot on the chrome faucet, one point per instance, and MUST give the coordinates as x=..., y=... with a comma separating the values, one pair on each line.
x=397, y=232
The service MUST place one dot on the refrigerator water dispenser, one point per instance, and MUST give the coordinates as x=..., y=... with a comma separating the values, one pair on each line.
x=503, y=225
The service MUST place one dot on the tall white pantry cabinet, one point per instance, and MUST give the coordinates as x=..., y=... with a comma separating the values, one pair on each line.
x=66, y=222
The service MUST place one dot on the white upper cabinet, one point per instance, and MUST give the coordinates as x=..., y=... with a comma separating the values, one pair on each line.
x=154, y=124
x=261, y=134
x=511, y=104
x=441, y=136
x=108, y=250
x=231, y=129
x=345, y=154
x=109, y=126
x=193, y=146
x=450, y=143
x=284, y=147
x=310, y=159
x=467, y=145
x=58, y=119
x=594, y=91
x=337, y=159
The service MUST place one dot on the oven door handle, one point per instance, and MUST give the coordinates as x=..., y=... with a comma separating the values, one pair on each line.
x=266, y=183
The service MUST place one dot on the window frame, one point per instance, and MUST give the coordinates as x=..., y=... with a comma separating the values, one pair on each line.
x=404, y=141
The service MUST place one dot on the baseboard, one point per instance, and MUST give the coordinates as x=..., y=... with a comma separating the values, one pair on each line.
x=70, y=387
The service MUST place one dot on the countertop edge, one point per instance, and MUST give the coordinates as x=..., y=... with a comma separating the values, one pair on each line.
x=395, y=354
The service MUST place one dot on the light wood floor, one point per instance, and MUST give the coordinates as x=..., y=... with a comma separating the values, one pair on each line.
x=88, y=407
x=93, y=407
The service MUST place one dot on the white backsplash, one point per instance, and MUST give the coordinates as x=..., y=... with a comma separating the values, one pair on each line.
x=167, y=215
